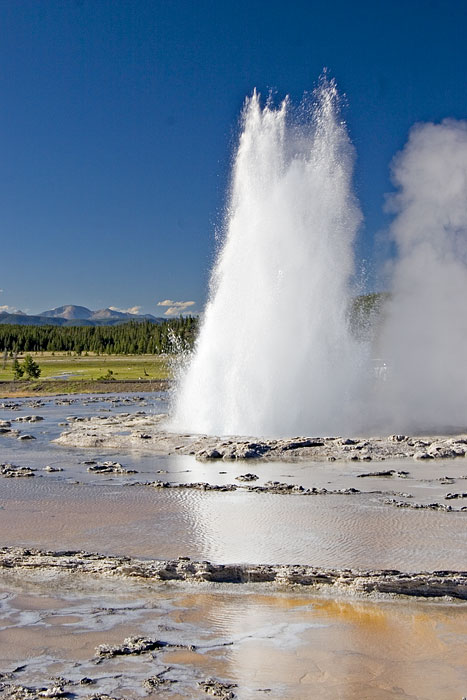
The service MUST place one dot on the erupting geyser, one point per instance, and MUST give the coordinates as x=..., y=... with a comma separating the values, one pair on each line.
x=275, y=355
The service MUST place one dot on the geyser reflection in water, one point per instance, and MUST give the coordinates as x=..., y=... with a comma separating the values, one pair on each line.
x=275, y=355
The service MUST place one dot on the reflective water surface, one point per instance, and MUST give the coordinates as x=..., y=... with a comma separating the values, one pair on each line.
x=75, y=508
x=334, y=531
x=280, y=645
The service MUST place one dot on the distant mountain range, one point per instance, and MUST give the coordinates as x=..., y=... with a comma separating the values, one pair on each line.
x=75, y=316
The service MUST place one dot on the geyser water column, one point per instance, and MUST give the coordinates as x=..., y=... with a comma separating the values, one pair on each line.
x=274, y=355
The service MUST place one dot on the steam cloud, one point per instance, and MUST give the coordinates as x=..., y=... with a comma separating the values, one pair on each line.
x=424, y=336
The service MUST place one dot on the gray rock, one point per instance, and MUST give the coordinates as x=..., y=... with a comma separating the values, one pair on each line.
x=386, y=473
x=29, y=419
x=424, y=506
x=298, y=443
x=10, y=691
x=445, y=450
x=11, y=470
x=130, y=646
x=209, y=454
x=158, y=680
x=116, y=431
x=134, y=646
x=218, y=689
x=110, y=468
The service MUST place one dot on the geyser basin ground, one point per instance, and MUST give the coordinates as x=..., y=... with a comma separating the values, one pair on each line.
x=340, y=518
x=295, y=642
x=149, y=432
x=286, y=646
x=331, y=531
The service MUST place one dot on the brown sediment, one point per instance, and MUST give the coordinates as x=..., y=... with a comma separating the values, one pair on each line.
x=354, y=581
x=291, y=644
x=50, y=387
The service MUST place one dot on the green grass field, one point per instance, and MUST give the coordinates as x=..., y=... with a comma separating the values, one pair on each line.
x=123, y=367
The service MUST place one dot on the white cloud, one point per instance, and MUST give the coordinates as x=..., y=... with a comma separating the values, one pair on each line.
x=175, y=308
x=131, y=310
x=7, y=308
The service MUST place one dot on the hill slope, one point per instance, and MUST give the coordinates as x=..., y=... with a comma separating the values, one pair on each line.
x=72, y=315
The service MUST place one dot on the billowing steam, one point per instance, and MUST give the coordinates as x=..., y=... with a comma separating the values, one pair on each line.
x=424, y=336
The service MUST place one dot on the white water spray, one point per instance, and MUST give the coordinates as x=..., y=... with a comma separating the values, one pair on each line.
x=275, y=355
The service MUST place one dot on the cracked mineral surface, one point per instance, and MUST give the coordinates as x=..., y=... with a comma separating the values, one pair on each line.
x=84, y=626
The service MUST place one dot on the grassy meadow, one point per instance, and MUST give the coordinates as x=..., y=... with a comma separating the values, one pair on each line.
x=94, y=367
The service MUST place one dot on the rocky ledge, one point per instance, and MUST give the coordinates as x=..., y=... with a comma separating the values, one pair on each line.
x=65, y=688
x=135, y=646
x=149, y=432
x=12, y=470
x=354, y=581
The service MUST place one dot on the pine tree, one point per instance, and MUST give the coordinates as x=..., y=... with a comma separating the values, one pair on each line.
x=18, y=371
x=30, y=368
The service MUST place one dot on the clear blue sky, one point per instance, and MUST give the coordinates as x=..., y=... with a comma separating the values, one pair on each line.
x=118, y=119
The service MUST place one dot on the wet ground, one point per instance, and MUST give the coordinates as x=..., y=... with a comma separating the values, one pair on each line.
x=268, y=644
x=335, y=531
x=284, y=645
x=115, y=513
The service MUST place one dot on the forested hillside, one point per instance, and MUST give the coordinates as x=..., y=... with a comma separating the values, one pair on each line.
x=147, y=337
x=129, y=338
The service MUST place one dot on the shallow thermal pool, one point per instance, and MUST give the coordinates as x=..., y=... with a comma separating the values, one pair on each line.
x=75, y=508
x=331, y=531
x=280, y=644
x=284, y=646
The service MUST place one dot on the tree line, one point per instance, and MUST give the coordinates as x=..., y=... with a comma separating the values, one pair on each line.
x=133, y=338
